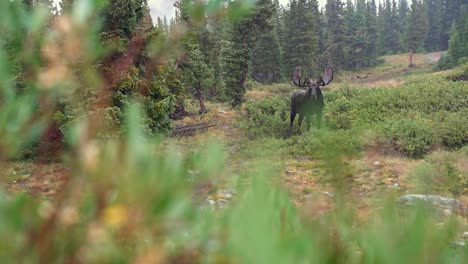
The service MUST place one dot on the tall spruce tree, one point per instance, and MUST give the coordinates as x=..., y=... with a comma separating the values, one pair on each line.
x=417, y=28
x=434, y=14
x=121, y=17
x=266, y=57
x=450, y=13
x=302, y=42
x=372, y=35
x=403, y=16
x=335, y=41
x=237, y=53
x=381, y=30
x=389, y=32
x=197, y=76
x=458, y=43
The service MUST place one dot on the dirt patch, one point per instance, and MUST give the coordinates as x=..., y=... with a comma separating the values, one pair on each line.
x=41, y=179
x=434, y=56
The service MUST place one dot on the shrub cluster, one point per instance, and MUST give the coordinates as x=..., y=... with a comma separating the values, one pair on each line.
x=414, y=117
x=266, y=118
x=442, y=173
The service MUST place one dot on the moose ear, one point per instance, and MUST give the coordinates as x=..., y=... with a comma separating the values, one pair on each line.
x=327, y=75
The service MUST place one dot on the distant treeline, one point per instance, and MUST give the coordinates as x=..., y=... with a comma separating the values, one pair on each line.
x=347, y=35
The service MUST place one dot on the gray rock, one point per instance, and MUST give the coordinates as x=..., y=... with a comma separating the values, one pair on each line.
x=465, y=235
x=459, y=243
x=445, y=205
x=226, y=194
x=192, y=175
x=223, y=203
x=329, y=194
x=23, y=173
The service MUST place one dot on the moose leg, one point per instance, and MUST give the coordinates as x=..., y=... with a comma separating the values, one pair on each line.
x=319, y=119
x=308, y=119
x=293, y=115
x=301, y=117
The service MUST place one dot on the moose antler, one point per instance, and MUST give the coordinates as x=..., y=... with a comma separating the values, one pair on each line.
x=296, y=78
x=328, y=74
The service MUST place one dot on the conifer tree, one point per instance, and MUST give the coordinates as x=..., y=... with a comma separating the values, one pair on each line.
x=381, y=30
x=335, y=41
x=121, y=17
x=372, y=35
x=403, y=11
x=389, y=31
x=197, y=75
x=267, y=57
x=417, y=28
x=352, y=49
x=450, y=13
x=302, y=43
x=458, y=43
x=237, y=53
x=434, y=14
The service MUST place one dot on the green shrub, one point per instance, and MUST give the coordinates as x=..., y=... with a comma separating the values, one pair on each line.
x=445, y=62
x=451, y=129
x=318, y=143
x=266, y=117
x=412, y=137
x=440, y=174
x=277, y=88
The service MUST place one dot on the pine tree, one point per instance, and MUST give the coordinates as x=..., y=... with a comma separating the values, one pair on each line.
x=121, y=17
x=143, y=15
x=417, y=28
x=352, y=51
x=389, y=31
x=381, y=45
x=450, y=13
x=403, y=11
x=395, y=32
x=267, y=56
x=372, y=36
x=458, y=43
x=302, y=43
x=335, y=41
x=266, y=59
x=197, y=75
x=434, y=14
x=237, y=53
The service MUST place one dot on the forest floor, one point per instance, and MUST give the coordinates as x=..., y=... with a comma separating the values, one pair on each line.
x=374, y=173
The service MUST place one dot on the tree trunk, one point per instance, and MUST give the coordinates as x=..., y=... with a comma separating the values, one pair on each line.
x=201, y=101
x=411, y=58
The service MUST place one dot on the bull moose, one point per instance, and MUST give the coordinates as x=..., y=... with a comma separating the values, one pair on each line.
x=310, y=101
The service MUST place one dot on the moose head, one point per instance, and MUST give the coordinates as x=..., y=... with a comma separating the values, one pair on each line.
x=309, y=102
